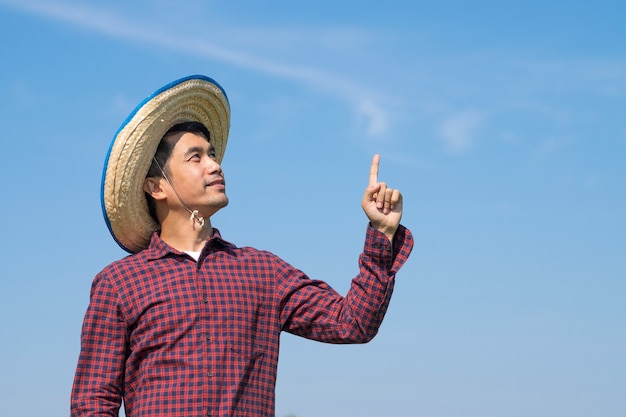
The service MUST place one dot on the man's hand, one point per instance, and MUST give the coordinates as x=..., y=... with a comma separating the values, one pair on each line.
x=382, y=205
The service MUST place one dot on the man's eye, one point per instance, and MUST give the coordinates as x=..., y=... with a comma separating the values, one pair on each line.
x=195, y=157
x=212, y=155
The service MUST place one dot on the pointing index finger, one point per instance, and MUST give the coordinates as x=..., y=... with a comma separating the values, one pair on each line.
x=374, y=170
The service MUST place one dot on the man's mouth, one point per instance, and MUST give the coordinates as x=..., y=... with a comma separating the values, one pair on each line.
x=216, y=182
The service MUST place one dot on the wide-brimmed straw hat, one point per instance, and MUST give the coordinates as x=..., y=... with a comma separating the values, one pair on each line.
x=195, y=98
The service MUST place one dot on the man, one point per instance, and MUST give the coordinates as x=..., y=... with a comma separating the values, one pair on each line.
x=189, y=324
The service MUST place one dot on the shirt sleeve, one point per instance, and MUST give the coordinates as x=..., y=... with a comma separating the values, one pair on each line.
x=98, y=382
x=312, y=309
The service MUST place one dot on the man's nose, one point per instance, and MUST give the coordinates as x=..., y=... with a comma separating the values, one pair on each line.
x=213, y=166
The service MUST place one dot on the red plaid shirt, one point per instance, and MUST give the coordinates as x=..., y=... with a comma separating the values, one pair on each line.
x=175, y=337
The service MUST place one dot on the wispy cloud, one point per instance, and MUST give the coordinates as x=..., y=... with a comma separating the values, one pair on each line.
x=363, y=100
x=21, y=94
x=458, y=130
x=550, y=146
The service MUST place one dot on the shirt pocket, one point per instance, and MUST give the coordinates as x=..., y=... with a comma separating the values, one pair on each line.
x=246, y=328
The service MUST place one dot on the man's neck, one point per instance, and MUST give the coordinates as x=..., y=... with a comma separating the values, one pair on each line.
x=186, y=235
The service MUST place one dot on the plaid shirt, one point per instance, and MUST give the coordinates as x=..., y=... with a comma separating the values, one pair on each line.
x=175, y=337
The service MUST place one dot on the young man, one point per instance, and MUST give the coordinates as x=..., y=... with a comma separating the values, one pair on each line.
x=189, y=325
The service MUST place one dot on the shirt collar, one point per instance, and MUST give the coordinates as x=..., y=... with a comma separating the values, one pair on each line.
x=159, y=249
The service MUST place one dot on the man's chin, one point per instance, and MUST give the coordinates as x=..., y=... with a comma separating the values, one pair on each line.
x=219, y=204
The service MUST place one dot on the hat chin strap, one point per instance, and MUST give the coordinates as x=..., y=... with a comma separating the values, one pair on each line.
x=195, y=215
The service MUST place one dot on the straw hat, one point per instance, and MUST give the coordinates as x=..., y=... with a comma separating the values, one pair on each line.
x=194, y=98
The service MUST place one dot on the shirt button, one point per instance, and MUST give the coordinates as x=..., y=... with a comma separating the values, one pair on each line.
x=209, y=374
x=209, y=413
x=208, y=337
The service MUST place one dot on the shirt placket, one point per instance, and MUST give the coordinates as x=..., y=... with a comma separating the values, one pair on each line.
x=207, y=335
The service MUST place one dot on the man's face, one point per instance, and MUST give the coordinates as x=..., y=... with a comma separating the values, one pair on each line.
x=196, y=176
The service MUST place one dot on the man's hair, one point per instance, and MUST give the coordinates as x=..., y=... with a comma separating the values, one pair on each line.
x=164, y=151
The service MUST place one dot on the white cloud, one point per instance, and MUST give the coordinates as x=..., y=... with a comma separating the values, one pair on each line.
x=22, y=94
x=458, y=130
x=377, y=118
x=550, y=146
x=363, y=100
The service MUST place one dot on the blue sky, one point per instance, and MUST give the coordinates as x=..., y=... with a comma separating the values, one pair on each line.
x=502, y=123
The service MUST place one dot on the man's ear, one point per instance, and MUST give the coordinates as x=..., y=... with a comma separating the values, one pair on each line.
x=152, y=186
